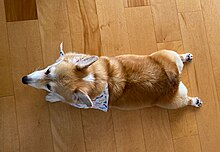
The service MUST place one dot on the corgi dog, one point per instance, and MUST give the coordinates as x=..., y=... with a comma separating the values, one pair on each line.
x=124, y=82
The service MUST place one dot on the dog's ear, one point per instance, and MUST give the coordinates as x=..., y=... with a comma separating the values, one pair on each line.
x=61, y=49
x=82, y=98
x=86, y=62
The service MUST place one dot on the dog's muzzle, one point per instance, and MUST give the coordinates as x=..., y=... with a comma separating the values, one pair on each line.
x=25, y=80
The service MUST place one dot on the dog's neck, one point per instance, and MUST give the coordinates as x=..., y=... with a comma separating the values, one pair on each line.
x=108, y=70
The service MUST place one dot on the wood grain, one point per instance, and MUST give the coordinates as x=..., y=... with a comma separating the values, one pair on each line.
x=202, y=80
x=128, y=129
x=156, y=128
x=9, y=137
x=66, y=125
x=66, y=122
x=174, y=45
x=113, y=28
x=140, y=30
x=165, y=20
x=84, y=26
x=98, y=131
x=136, y=3
x=6, y=88
x=20, y=10
x=211, y=14
x=215, y=64
x=32, y=110
x=189, y=144
x=187, y=6
x=54, y=28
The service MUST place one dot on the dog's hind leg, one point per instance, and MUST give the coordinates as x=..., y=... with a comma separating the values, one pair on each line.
x=172, y=56
x=187, y=57
x=180, y=100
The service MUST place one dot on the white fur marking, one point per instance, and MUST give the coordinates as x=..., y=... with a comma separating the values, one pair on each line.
x=89, y=78
x=37, y=75
x=196, y=102
x=61, y=49
x=186, y=57
x=52, y=97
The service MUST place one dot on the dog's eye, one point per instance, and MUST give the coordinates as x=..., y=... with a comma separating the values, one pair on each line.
x=48, y=71
x=48, y=87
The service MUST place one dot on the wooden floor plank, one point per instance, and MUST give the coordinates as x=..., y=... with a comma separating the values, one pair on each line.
x=32, y=110
x=157, y=130
x=84, y=26
x=188, y=6
x=128, y=129
x=211, y=14
x=66, y=121
x=66, y=124
x=215, y=64
x=187, y=144
x=136, y=3
x=54, y=28
x=98, y=131
x=9, y=137
x=20, y=10
x=6, y=88
x=173, y=45
x=140, y=30
x=113, y=28
x=165, y=20
x=202, y=80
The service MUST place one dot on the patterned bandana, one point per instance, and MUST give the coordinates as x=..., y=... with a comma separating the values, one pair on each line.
x=100, y=102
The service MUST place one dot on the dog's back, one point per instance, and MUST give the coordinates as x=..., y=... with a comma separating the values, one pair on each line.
x=144, y=80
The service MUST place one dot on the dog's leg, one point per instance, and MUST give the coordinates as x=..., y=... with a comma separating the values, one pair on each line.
x=195, y=102
x=180, y=100
x=186, y=57
x=52, y=97
x=172, y=56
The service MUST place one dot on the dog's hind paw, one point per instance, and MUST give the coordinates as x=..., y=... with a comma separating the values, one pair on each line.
x=186, y=57
x=196, y=102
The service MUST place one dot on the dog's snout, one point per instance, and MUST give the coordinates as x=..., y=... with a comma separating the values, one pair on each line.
x=25, y=80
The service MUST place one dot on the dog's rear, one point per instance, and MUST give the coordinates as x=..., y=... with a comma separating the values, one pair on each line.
x=146, y=81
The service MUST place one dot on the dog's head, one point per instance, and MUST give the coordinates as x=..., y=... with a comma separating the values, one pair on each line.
x=69, y=78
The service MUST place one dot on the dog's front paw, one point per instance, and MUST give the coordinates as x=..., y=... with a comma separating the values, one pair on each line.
x=196, y=102
x=51, y=97
x=187, y=57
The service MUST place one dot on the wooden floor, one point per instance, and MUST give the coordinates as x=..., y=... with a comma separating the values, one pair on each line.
x=108, y=27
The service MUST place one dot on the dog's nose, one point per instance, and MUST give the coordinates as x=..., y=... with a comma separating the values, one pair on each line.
x=25, y=79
